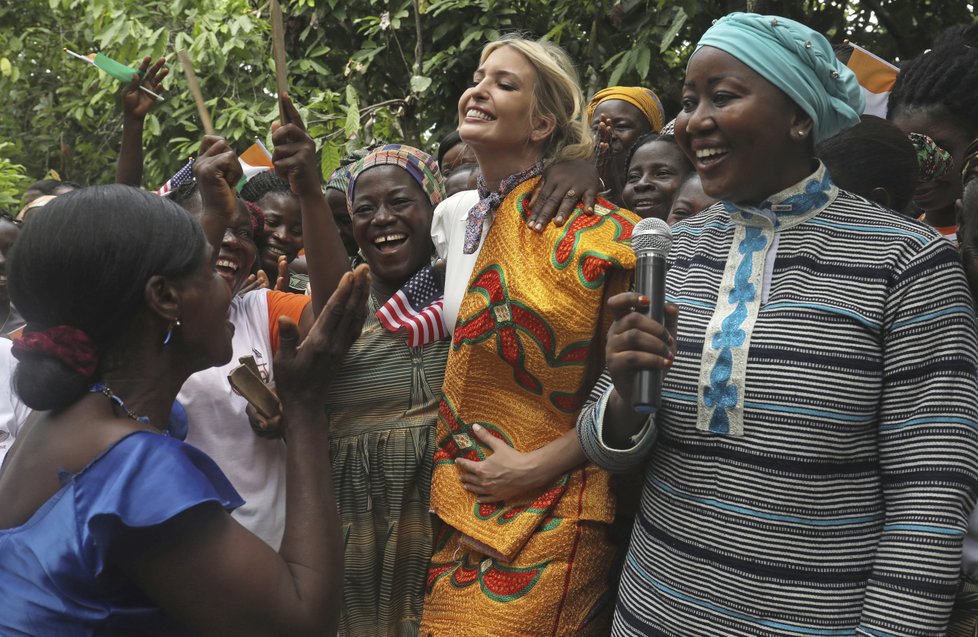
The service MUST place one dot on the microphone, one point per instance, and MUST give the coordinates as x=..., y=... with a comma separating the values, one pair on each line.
x=651, y=241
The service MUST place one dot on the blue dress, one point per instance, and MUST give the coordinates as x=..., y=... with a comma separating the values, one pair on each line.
x=55, y=577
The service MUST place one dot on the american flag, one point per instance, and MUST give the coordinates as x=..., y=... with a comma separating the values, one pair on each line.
x=182, y=176
x=417, y=307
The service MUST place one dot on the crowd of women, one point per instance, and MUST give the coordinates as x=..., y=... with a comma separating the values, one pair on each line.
x=452, y=342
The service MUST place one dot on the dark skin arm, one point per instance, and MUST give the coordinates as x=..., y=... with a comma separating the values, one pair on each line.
x=217, y=171
x=136, y=104
x=635, y=342
x=295, y=160
x=215, y=577
x=559, y=191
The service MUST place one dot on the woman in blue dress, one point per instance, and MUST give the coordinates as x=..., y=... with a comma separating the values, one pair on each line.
x=111, y=525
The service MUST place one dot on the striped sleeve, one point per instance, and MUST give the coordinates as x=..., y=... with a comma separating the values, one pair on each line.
x=928, y=446
x=590, y=433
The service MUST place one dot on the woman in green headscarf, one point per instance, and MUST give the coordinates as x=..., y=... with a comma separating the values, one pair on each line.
x=811, y=467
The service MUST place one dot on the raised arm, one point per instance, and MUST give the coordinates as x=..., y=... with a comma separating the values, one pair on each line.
x=217, y=171
x=136, y=104
x=295, y=159
x=215, y=577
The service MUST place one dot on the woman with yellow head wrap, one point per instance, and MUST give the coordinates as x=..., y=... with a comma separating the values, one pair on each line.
x=619, y=115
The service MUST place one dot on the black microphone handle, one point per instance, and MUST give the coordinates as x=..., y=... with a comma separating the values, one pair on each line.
x=650, y=280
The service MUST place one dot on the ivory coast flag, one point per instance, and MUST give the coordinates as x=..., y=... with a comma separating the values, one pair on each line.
x=876, y=79
x=118, y=70
x=254, y=160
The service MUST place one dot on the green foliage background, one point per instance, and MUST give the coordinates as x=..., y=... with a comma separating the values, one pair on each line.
x=361, y=70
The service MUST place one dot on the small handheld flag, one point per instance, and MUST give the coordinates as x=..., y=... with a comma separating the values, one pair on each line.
x=118, y=70
x=254, y=160
x=182, y=176
x=876, y=79
x=418, y=307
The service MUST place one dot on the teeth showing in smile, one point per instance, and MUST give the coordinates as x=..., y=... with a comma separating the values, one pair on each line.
x=476, y=113
x=227, y=263
x=389, y=237
x=274, y=250
x=706, y=153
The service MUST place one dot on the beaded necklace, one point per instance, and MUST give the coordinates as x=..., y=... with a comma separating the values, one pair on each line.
x=178, y=415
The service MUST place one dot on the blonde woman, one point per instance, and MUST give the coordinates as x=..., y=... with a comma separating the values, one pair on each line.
x=524, y=547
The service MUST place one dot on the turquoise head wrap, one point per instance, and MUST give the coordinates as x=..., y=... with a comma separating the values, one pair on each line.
x=796, y=59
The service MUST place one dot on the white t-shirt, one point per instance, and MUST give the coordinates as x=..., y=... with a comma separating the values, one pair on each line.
x=218, y=424
x=13, y=413
x=448, y=234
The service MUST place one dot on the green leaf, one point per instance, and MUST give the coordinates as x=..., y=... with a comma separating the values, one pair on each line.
x=642, y=63
x=420, y=83
x=352, y=125
x=330, y=156
x=5, y=67
x=624, y=63
x=677, y=23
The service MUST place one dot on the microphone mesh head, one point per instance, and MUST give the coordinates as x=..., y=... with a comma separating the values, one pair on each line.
x=652, y=235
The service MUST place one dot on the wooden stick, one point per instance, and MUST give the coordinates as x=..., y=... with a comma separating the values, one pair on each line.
x=188, y=70
x=278, y=54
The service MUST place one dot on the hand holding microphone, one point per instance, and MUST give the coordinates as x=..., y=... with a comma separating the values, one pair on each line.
x=640, y=343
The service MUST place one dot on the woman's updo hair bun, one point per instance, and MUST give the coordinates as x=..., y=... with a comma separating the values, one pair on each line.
x=82, y=262
x=45, y=383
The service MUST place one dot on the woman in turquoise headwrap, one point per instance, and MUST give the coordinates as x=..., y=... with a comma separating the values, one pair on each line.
x=812, y=464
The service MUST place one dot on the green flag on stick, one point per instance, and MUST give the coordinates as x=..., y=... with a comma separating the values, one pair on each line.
x=118, y=70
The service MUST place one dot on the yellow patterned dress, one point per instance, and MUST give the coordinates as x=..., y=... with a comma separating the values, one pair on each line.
x=526, y=350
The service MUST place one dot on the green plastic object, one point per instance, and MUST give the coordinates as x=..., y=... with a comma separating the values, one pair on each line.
x=118, y=70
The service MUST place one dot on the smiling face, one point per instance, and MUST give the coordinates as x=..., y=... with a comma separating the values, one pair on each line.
x=496, y=112
x=392, y=223
x=740, y=131
x=949, y=133
x=654, y=175
x=237, y=256
x=283, y=230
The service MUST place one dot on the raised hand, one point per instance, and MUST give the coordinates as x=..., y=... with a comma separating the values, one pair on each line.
x=137, y=103
x=295, y=153
x=303, y=372
x=282, y=280
x=254, y=282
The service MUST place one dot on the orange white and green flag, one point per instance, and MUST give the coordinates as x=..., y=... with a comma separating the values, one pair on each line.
x=255, y=159
x=876, y=79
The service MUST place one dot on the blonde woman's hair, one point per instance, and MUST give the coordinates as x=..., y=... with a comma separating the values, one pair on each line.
x=557, y=96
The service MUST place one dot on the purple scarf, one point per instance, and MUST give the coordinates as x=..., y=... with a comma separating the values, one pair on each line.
x=489, y=201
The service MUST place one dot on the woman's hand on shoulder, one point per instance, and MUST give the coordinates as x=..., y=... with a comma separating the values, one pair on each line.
x=563, y=186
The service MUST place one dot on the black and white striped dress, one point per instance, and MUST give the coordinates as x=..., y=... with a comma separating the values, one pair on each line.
x=838, y=506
